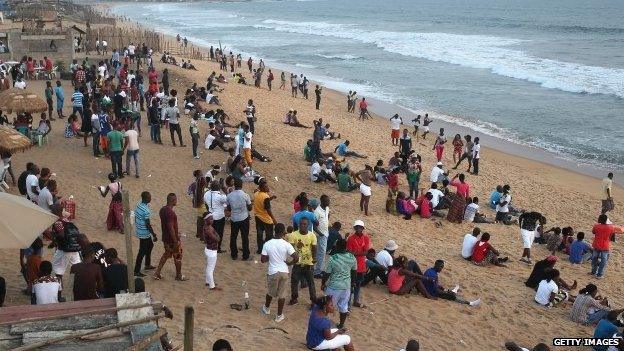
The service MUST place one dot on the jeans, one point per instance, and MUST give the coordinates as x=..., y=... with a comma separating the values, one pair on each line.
x=145, y=250
x=96, y=143
x=413, y=189
x=321, y=249
x=173, y=128
x=301, y=272
x=115, y=157
x=134, y=154
x=155, y=132
x=264, y=233
x=599, y=262
x=195, y=141
x=243, y=228
x=219, y=226
x=475, y=166
x=359, y=278
x=595, y=317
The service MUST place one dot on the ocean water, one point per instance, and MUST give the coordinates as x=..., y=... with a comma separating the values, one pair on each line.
x=548, y=74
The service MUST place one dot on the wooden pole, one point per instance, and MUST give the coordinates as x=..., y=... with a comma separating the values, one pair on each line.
x=129, y=231
x=189, y=312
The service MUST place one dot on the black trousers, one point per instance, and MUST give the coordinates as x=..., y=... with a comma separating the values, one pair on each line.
x=145, y=251
x=252, y=128
x=264, y=233
x=318, y=103
x=219, y=226
x=195, y=141
x=175, y=128
x=301, y=272
x=96, y=144
x=243, y=228
x=115, y=157
x=475, y=165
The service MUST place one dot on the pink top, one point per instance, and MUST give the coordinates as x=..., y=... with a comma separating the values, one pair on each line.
x=463, y=189
x=395, y=280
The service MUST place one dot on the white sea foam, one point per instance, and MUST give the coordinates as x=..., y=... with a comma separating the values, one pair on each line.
x=496, y=54
x=344, y=57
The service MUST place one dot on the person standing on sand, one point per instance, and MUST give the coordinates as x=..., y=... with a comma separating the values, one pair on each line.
x=607, y=187
x=317, y=91
x=170, y=239
x=250, y=64
x=293, y=85
x=340, y=271
x=60, y=99
x=528, y=222
x=145, y=233
x=304, y=243
x=282, y=81
x=438, y=146
x=250, y=112
x=248, y=136
x=279, y=253
x=270, y=79
x=239, y=205
x=211, y=238
x=395, y=123
x=426, y=122
x=216, y=203
x=468, y=146
x=601, y=245
x=321, y=229
x=364, y=110
x=366, y=179
x=263, y=215
x=173, y=115
x=476, y=155
x=358, y=244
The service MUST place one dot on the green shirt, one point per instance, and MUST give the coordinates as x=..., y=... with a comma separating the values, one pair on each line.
x=339, y=268
x=307, y=153
x=413, y=176
x=115, y=139
x=344, y=182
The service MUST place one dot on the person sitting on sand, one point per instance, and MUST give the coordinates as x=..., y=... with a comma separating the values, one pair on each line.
x=425, y=209
x=327, y=135
x=495, y=196
x=435, y=290
x=608, y=328
x=580, y=250
x=539, y=272
x=472, y=214
x=345, y=181
x=589, y=308
x=343, y=150
x=470, y=240
x=402, y=281
x=548, y=293
x=405, y=206
x=512, y=346
x=292, y=120
x=319, y=173
x=320, y=334
x=483, y=253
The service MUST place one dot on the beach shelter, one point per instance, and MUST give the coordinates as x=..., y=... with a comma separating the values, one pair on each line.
x=26, y=102
x=21, y=222
x=11, y=140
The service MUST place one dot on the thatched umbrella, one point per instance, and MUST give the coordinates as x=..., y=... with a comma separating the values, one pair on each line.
x=7, y=95
x=26, y=102
x=11, y=140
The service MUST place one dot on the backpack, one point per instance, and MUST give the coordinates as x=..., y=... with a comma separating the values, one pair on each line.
x=21, y=183
x=71, y=236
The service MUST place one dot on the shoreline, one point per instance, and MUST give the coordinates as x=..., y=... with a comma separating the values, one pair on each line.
x=383, y=109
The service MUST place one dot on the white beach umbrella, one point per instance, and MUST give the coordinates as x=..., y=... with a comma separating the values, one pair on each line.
x=21, y=221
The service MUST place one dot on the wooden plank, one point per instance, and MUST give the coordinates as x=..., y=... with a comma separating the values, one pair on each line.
x=76, y=323
x=13, y=314
x=113, y=344
x=32, y=337
x=140, y=331
x=154, y=337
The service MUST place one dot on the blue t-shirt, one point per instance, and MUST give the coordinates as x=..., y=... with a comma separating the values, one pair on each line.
x=60, y=95
x=105, y=127
x=431, y=286
x=577, y=250
x=304, y=214
x=494, y=198
x=604, y=329
x=342, y=149
x=141, y=214
x=316, y=329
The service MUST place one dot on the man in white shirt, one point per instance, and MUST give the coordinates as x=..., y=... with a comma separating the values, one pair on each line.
x=470, y=240
x=395, y=123
x=247, y=145
x=502, y=207
x=47, y=288
x=437, y=195
x=437, y=173
x=321, y=230
x=216, y=202
x=46, y=195
x=32, y=184
x=476, y=155
x=471, y=211
x=607, y=189
x=131, y=144
x=131, y=50
x=385, y=257
x=279, y=253
x=20, y=84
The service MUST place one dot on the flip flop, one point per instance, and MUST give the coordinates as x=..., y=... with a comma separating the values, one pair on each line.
x=359, y=305
x=158, y=277
x=236, y=306
x=181, y=278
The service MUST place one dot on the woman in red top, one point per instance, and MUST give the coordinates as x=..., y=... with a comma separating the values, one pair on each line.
x=483, y=253
x=30, y=67
x=458, y=203
x=424, y=205
x=458, y=146
x=152, y=76
x=402, y=281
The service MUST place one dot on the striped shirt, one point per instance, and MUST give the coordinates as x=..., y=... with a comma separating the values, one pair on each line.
x=582, y=305
x=77, y=99
x=339, y=268
x=141, y=215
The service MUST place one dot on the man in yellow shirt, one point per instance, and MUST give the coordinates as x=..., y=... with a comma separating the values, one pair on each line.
x=264, y=217
x=304, y=243
x=607, y=187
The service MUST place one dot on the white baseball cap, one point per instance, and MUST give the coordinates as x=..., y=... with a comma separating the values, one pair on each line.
x=358, y=222
x=391, y=245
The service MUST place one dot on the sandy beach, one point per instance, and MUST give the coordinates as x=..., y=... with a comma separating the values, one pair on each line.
x=508, y=311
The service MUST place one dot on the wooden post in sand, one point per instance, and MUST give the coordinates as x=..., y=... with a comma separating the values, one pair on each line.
x=129, y=231
x=189, y=325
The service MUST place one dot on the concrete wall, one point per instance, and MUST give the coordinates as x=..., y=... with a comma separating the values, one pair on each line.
x=55, y=46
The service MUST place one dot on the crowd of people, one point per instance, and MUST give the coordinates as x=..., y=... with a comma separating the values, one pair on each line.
x=108, y=101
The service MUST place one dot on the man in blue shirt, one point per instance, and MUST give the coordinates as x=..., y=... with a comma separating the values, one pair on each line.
x=606, y=328
x=145, y=233
x=306, y=213
x=430, y=281
x=495, y=196
x=343, y=150
x=580, y=250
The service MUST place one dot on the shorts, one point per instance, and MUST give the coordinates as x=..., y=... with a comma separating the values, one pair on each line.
x=337, y=342
x=340, y=298
x=396, y=133
x=103, y=142
x=365, y=190
x=277, y=284
x=62, y=259
x=426, y=129
x=527, y=238
x=172, y=251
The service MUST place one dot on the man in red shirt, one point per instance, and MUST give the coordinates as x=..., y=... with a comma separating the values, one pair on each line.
x=364, y=109
x=358, y=244
x=170, y=238
x=47, y=64
x=484, y=253
x=602, y=244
